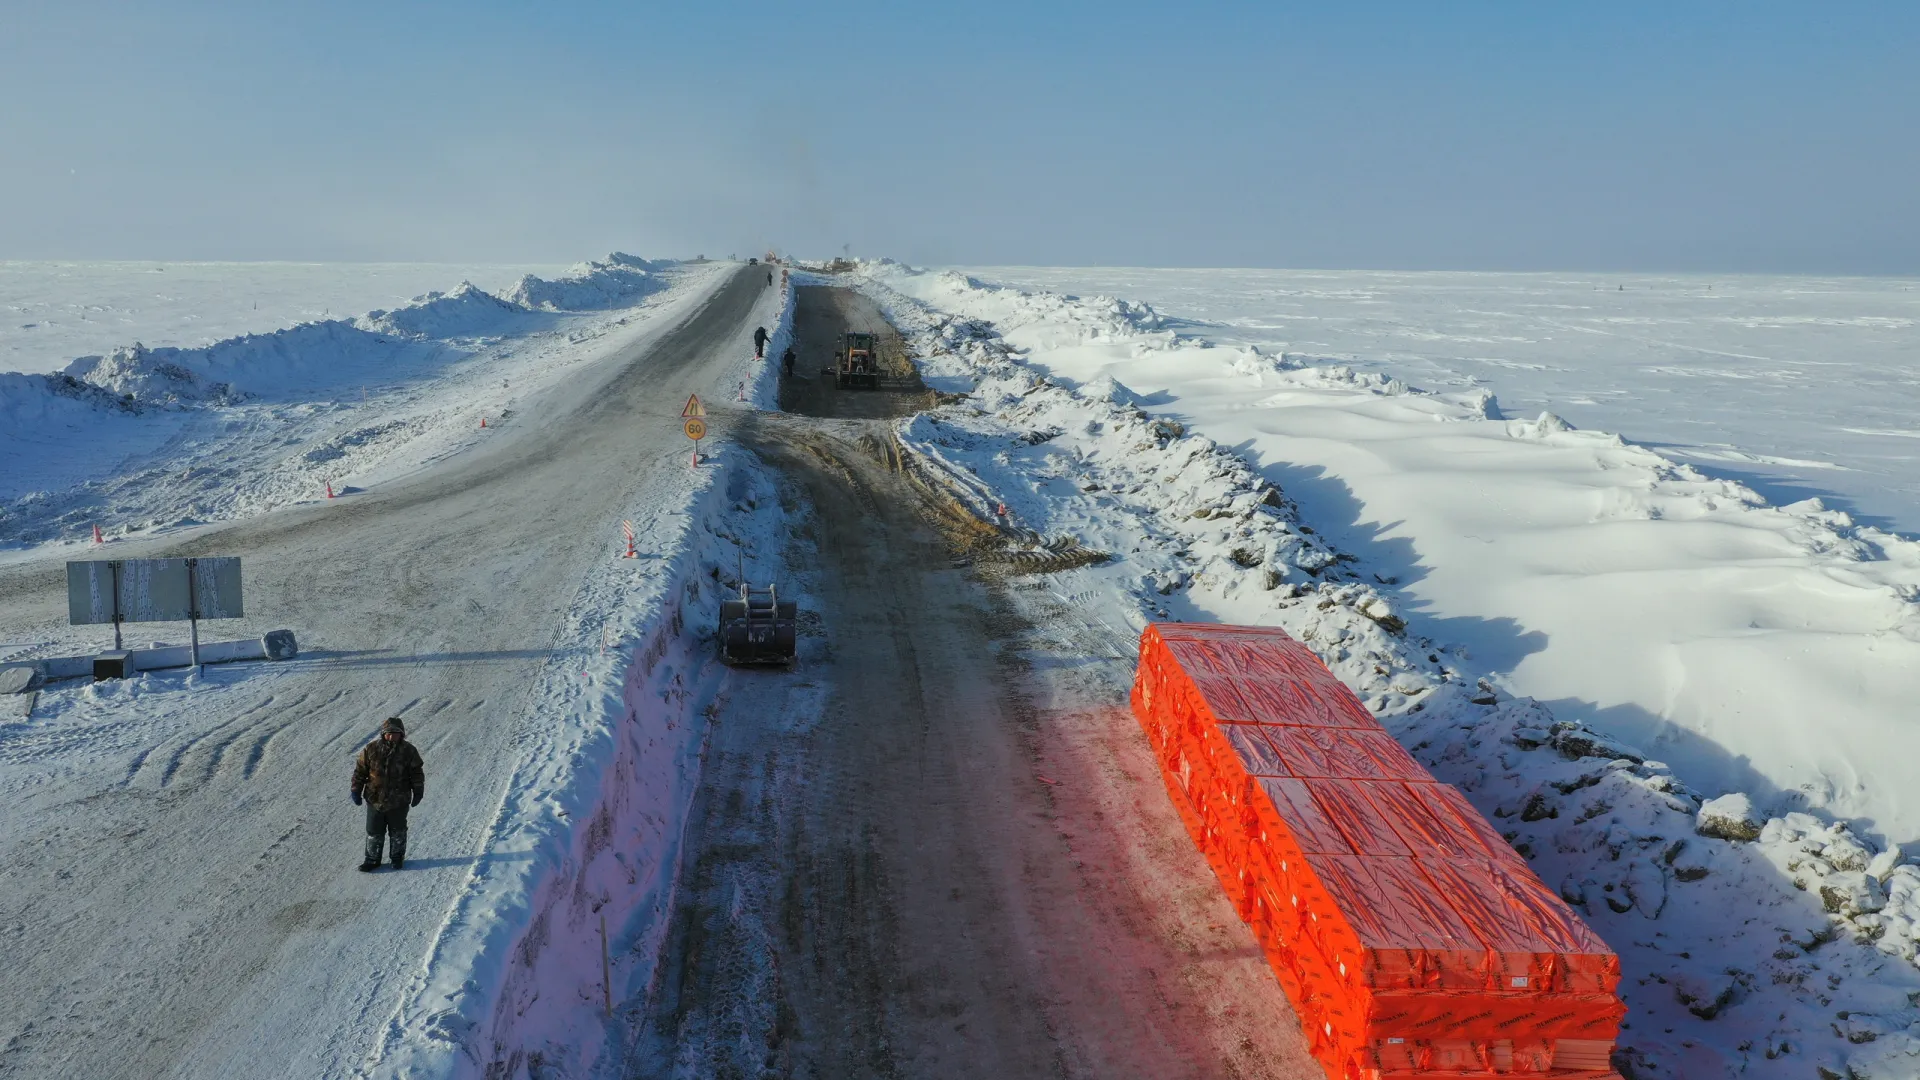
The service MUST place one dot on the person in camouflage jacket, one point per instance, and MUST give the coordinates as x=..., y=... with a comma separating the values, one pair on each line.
x=390, y=778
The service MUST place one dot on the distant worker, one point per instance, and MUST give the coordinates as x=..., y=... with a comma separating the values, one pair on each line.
x=759, y=342
x=390, y=777
x=786, y=359
x=769, y=279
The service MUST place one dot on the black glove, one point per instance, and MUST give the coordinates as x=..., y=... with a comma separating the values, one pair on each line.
x=416, y=797
x=355, y=796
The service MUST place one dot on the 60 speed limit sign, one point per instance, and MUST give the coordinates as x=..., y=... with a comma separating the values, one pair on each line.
x=696, y=428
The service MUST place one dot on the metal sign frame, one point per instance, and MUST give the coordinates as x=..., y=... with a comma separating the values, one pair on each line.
x=154, y=590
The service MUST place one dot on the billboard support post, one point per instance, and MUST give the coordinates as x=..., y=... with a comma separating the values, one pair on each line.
x=115, y=565
x=193, y=614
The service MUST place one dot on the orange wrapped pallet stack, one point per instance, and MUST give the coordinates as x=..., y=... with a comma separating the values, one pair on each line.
x=1412, y=940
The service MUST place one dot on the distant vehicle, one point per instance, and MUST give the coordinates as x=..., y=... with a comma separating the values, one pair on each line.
x=859, y=362
x=753, y=262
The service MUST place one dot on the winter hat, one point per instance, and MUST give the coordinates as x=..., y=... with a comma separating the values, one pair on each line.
x=394, y=725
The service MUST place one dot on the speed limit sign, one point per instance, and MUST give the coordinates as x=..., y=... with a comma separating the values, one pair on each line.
x=696, y=428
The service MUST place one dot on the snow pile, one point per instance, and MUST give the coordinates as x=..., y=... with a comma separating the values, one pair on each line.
x=279, y=416
x=51, y=312
x=1753, y=945
x=613, y=281
x=467, y=312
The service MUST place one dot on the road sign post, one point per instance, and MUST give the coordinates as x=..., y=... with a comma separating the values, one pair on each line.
x=696, y=425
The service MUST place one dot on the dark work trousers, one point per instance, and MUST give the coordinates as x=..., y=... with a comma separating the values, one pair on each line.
x=390, y=825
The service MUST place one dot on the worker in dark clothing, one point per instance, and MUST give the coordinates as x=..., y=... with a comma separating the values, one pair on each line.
x=786, y=359
x=390, y=778
x=759, y=341
x=769, y=279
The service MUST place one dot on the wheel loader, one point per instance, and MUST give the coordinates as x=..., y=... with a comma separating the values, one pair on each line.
x=758, y=628
x=859, y=361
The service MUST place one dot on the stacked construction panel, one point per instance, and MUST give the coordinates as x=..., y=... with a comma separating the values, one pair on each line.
x=1411, y=939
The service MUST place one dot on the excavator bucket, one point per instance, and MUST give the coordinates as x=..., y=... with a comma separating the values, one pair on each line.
x=758, y=628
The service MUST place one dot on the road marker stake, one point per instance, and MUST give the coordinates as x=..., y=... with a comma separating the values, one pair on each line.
x=627, y=527
x=329, y=489
x=97, y=538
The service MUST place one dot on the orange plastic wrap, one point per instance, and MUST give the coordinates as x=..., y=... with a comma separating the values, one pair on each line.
x=1412, y=940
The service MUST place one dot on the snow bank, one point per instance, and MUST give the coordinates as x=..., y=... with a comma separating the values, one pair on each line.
x=51, y=312
x=264, y=420
x=1760, y=957
x=467, y=312
x=590, y=286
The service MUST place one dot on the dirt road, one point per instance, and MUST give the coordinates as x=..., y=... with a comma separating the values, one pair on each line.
x=927, y=851
x=189, y=906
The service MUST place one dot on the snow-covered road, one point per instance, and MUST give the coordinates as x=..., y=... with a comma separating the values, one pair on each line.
x=180, y=899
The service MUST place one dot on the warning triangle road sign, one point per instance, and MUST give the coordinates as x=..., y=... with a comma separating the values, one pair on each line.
x=694, y=408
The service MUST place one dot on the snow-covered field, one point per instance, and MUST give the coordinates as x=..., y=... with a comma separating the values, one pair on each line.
x=52, y=312
x=141, y=439
x=1743, y=857
x=1795, y=386
x=1682, y=611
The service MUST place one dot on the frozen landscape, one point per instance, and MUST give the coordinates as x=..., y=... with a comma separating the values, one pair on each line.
x=1628, y=565
x=52, y=312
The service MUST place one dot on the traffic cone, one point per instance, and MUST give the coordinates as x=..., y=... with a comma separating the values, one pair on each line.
x=483, y=421
x=329, y=489
x=631, y=554
x=97, y=538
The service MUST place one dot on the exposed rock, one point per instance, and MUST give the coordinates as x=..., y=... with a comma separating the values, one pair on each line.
x=1704, y=997
x=1844, y=852
x=1852, y=892
x=1382, y=613
x=1729, y=817
x=1575, y=742
x=1529, y=738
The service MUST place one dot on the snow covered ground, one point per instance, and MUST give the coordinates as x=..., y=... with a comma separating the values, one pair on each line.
x=1796, y=387
x=52, y=312
x=1443, y=558
x=139, y=440
x=1680, y=611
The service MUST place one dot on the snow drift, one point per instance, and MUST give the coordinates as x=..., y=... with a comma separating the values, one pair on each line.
x=77, y=447
x=590, y=286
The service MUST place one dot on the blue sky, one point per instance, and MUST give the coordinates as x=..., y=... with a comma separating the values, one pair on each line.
x=1721, y=137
